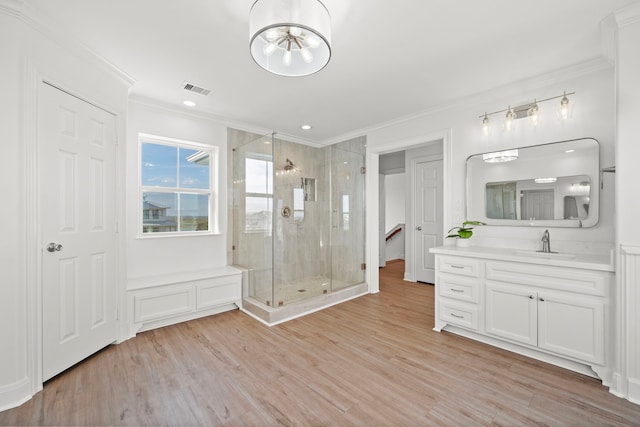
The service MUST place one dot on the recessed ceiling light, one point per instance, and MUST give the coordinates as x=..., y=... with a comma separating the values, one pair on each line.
x=189, y=103
x=569, y=151
x=305, y=127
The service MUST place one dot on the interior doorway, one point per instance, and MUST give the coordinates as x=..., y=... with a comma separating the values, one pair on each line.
x=423, y=207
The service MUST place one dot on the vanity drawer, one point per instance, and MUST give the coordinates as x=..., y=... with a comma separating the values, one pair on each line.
x=460, y=266
x=462, y=315
x=550, y=277
x=459, y=287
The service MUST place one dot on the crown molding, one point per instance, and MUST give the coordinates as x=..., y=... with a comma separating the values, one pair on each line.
x=221, y=120
x=542, y=80
x=628, y=15
x=11, y=7
x=33, y=18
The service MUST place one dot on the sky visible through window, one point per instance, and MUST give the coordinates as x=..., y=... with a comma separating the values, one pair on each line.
x=175, y=168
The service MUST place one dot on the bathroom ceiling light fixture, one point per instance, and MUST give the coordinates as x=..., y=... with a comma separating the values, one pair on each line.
x=500, y=156
x=531, y=110
x=290, y=37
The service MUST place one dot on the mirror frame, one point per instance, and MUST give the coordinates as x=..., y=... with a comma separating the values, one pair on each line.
x=592, y=170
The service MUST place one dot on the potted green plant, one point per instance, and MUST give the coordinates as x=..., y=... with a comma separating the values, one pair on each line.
x=464, y=233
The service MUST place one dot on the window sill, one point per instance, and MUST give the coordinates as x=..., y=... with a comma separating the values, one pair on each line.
x=147, y=236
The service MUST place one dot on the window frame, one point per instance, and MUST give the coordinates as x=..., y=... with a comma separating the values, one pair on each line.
x=212, y=191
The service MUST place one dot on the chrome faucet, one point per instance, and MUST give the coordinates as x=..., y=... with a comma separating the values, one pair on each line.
x=546, y=243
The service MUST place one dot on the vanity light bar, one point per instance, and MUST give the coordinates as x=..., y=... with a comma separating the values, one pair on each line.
x=530, y=110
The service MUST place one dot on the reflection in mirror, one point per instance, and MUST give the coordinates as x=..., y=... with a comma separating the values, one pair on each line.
x=565, y=197
x=549, y=185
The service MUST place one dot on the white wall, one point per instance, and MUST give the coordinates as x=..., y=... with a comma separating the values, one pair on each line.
x=627, y=203
x=593, y=116
x=394, y=188
x=152, y=256
x=31, y=51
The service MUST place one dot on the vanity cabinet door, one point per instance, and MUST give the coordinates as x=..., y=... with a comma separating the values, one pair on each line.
x=511, y=312
x=571, y=325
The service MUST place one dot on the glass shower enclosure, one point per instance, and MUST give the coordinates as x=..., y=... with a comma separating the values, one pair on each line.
x=299, y=229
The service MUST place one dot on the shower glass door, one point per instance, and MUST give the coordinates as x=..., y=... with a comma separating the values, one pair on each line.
x=253, y=215
x=347, y=162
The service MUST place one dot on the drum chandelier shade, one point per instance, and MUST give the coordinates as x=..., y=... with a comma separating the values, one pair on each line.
x=290, y=37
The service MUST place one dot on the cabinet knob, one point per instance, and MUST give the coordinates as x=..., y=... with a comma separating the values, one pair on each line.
x=541, y=299
x=530, y=296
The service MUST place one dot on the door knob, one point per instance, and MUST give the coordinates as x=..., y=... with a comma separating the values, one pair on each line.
x=54, y=247
x=419, y=228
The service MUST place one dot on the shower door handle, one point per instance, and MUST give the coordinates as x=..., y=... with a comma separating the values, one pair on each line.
x=419, y=228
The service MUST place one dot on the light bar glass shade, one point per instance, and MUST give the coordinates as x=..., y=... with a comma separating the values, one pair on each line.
x=290, y=37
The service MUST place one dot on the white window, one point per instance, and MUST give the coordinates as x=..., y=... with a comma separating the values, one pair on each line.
x=176, y=186
x=258, y=193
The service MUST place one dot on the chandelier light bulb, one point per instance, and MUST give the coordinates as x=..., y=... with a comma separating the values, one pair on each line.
x=272, y=34
x=295, y=31
x=286, y=58
x=269, y=49
x=307, y=56
x=312, y=40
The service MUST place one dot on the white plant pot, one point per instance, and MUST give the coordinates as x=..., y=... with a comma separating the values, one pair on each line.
x=463, y=243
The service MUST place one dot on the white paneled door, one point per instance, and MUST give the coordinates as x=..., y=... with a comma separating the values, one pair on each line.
x=427, y=213
x=76, y=187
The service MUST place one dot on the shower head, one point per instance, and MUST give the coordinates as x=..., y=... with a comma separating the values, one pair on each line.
x=289, y=166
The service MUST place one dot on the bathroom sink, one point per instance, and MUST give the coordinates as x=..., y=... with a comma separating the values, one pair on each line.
x=548, y=255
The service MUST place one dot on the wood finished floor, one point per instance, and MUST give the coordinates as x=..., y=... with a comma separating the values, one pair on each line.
x=372, y=361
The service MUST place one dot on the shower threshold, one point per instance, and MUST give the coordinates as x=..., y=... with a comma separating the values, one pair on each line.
x=272, y=316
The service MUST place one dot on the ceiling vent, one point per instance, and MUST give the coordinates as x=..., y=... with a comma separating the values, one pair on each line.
x=196, y=89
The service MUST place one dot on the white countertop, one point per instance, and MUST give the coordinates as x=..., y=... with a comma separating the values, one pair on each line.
x=600, y=262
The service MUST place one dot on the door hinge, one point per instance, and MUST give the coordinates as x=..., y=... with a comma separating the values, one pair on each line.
x=363, y=266
x=363, y=170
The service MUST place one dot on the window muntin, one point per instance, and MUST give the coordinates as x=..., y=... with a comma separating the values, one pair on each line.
x=176, y=186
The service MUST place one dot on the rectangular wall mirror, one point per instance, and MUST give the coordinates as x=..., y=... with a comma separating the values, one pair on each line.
x=549, y=185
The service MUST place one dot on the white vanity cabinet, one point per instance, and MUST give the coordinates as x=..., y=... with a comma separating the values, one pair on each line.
x=553, y=309
x=562, y=323
x=459, y=289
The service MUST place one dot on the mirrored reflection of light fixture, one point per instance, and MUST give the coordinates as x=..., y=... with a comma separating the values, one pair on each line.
x=485, y=125
x=500, y=156
x=545, y=180
x=290, y=37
